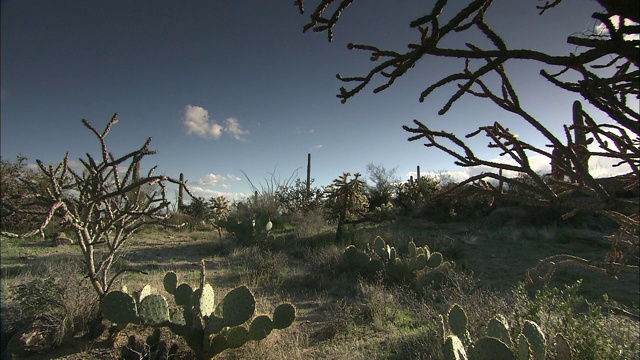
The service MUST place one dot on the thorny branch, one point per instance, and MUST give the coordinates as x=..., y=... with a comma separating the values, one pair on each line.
x=603, y=70
x=101, y=206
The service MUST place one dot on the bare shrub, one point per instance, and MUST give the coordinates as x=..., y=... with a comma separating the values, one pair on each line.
x=56, y=293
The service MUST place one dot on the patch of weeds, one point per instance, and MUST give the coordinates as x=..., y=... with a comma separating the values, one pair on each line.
x=417, y=343
x=589, y=331
x=59, y=297
x=265, y=268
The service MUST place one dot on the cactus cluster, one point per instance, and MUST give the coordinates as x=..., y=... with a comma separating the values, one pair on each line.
x=381, y=257
x=529, y=344
x=207, y=329
x=248, y=231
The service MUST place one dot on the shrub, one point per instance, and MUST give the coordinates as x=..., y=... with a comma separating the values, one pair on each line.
x=294, y=198
x=587, y=329
x=382, y=191
x=16, y=178
x=59, y=297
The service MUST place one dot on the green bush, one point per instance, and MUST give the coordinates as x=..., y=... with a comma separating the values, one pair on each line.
x=588, y=330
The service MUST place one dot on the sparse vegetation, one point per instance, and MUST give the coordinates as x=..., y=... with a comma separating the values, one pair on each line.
x=354, y=294
x=340, y=313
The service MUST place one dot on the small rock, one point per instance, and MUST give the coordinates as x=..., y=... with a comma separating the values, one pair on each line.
x=35, y=337
x=61, y=239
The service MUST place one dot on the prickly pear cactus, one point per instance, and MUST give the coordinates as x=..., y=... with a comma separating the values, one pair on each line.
x=458, y=324
x=283, y=316
x=206, y=331
x=237, y=307
x=247, y=230
x=119, y=308
x=529, y=344
x=563, y=349
x=536, y=339
x=454, y=349
x=381, y=257
x=490, y=349
x=498, y=328
x=154, y=310
x=260, y=327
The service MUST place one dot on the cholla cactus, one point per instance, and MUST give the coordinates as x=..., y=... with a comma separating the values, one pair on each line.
x=346, y=201
x=207, y=329
x=220, y=211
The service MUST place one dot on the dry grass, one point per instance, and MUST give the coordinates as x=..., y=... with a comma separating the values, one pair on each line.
x=339, y=316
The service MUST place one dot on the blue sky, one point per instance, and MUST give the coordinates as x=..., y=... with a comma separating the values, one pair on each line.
x=225, y=87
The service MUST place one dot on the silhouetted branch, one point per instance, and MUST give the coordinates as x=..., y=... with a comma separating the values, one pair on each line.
x=603, y=70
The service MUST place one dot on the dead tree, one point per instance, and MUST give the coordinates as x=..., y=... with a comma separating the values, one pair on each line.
x=103, y=205
x=603, y=71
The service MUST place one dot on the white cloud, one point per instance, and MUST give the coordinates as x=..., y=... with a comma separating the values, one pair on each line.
x=207, y=194
x=599, y=167
x=209, y=180
x=305, y=131
x=213, y=180
x=234, y=129
x=196, y=121
x=316, y=147
x=446, y=176
x=602, y=167
x=601, y=29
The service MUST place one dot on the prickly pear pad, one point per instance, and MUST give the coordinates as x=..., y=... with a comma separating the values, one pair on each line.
x=238, y=306
x=563, y=349
x=119, y=308
x=524, y=350
x=144, y=292
x=457, y=320
x=206, y=300
x=536, y=339
x=498, y=329
x=283, y=316
x=260, y=327
x=170, y=282
x=453, y=349
x=183, y=295
x=434, y=260
x=489, y=348
x=154, y=309
x=237, y=336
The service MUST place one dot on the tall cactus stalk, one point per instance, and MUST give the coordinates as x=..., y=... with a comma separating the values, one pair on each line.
x=308, y=197
x=181, y=193
x=580, y=138
x=556, y=167
x=418, y=174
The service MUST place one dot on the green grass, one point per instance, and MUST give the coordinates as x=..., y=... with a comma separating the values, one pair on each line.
x=341, y=316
